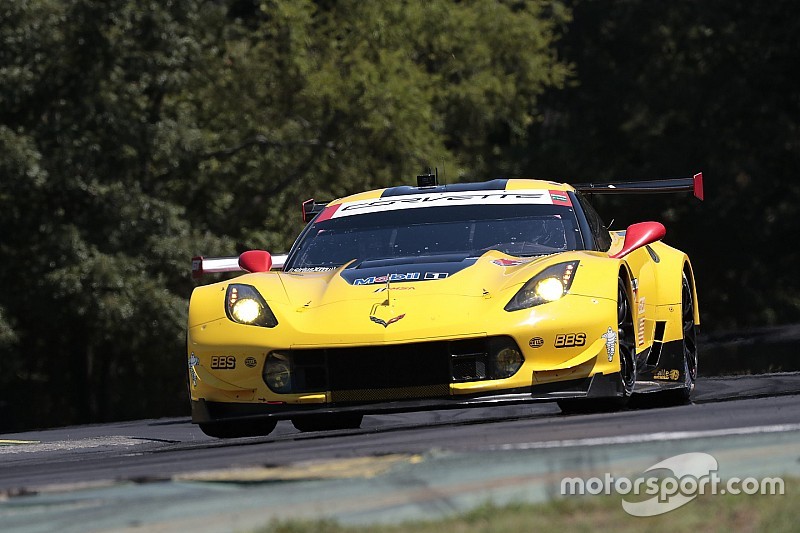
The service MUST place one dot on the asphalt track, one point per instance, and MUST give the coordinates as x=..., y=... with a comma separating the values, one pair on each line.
x=165, y=475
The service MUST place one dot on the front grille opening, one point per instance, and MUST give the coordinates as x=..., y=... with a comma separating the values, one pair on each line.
x=309, y=371
x=403, y=370
x=383, y=367
x=469, y=359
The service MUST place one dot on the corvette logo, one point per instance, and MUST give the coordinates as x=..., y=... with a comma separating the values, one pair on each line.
x=385, y=323
x=376, y=310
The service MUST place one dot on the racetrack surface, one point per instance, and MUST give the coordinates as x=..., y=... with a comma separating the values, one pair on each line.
x=167, y=475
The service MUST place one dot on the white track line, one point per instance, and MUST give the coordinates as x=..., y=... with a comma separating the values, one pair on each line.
x=649, y=437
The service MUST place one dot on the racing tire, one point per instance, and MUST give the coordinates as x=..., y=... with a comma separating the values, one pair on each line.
x=683, y=395
x=233, y=430
x=626, y=337
x=310, y=423
x=690, y=358
x=626, y=347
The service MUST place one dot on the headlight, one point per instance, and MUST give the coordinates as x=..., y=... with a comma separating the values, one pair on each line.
x=244, y=305
x=547, y=286
x=278, y=373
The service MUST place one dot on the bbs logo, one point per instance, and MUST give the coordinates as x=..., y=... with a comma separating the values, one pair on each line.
x=570, y=340
x=223, y=362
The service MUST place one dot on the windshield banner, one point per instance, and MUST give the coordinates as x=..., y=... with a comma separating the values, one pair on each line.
x=414, y=201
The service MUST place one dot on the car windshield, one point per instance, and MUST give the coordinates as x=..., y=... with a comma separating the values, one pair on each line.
x=463, y=231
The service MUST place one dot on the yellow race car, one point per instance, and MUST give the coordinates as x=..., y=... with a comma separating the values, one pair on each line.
x=444, y=296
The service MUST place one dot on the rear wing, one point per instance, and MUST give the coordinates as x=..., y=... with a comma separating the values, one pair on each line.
x=209, y=265
x=693, y=184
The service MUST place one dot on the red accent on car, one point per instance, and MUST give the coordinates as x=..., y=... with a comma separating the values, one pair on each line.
x=255, y=261
x=328, y=213
x=638, y=235
x=304, y=211
x=698, y=185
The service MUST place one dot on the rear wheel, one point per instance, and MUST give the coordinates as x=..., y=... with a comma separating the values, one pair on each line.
x=231, y=430
x=689, y=344
x=626, y=351
x=682, y=395
x=327, y=422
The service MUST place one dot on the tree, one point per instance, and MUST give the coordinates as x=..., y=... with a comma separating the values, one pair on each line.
x=137, y=135
x=666, y=89
x=93, y=289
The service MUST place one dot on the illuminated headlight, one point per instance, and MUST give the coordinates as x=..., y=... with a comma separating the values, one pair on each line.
x=246, y=310
x=244, y=305
x=506, y=362
x=278, y=373
x=549, y=285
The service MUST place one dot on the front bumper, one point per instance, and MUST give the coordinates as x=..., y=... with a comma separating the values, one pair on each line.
x=595, y=387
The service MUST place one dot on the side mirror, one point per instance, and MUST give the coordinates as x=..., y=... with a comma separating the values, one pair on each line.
x=638, y=235
x=255, y=261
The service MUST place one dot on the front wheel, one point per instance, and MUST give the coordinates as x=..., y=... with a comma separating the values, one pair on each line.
x=625, y=349
x=627, y=341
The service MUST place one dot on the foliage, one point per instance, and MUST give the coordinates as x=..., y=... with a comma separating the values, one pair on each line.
x=671, y=88
x=134, y=135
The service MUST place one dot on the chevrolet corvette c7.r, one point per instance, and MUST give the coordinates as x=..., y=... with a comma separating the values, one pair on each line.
x=443, y=296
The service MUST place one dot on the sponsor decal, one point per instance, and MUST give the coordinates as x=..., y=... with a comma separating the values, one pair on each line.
x=250, y=362
x=560, y=198
x=640, y=332
x=611, y=342
x=372, y=280
x=415, y=201
x=400, y=288
x=510, y=262
x=669, y=375
x=436, y=275
x=223, y=362
x=193, y=362
x=570, y=340
x=536, y=342
x=301, y=270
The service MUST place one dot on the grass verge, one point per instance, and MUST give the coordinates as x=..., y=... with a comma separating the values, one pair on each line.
x=707, y=513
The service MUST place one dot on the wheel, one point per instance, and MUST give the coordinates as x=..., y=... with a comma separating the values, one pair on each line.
x=681, y=395
x=626, y=336
x=232, y=430
x=689, y=343
x=327, y=422
x=626, y=351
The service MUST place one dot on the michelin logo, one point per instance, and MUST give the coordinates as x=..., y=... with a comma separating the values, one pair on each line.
x=611, y=343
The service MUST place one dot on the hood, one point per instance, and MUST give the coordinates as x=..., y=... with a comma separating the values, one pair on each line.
x=398, y=300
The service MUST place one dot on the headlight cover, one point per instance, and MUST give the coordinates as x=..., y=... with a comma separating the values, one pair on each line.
x=505, y=357
x=278, y=373
x=244, y=305
x=549, y=285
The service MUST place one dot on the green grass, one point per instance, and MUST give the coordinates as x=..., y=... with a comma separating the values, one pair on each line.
x=724, y=514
